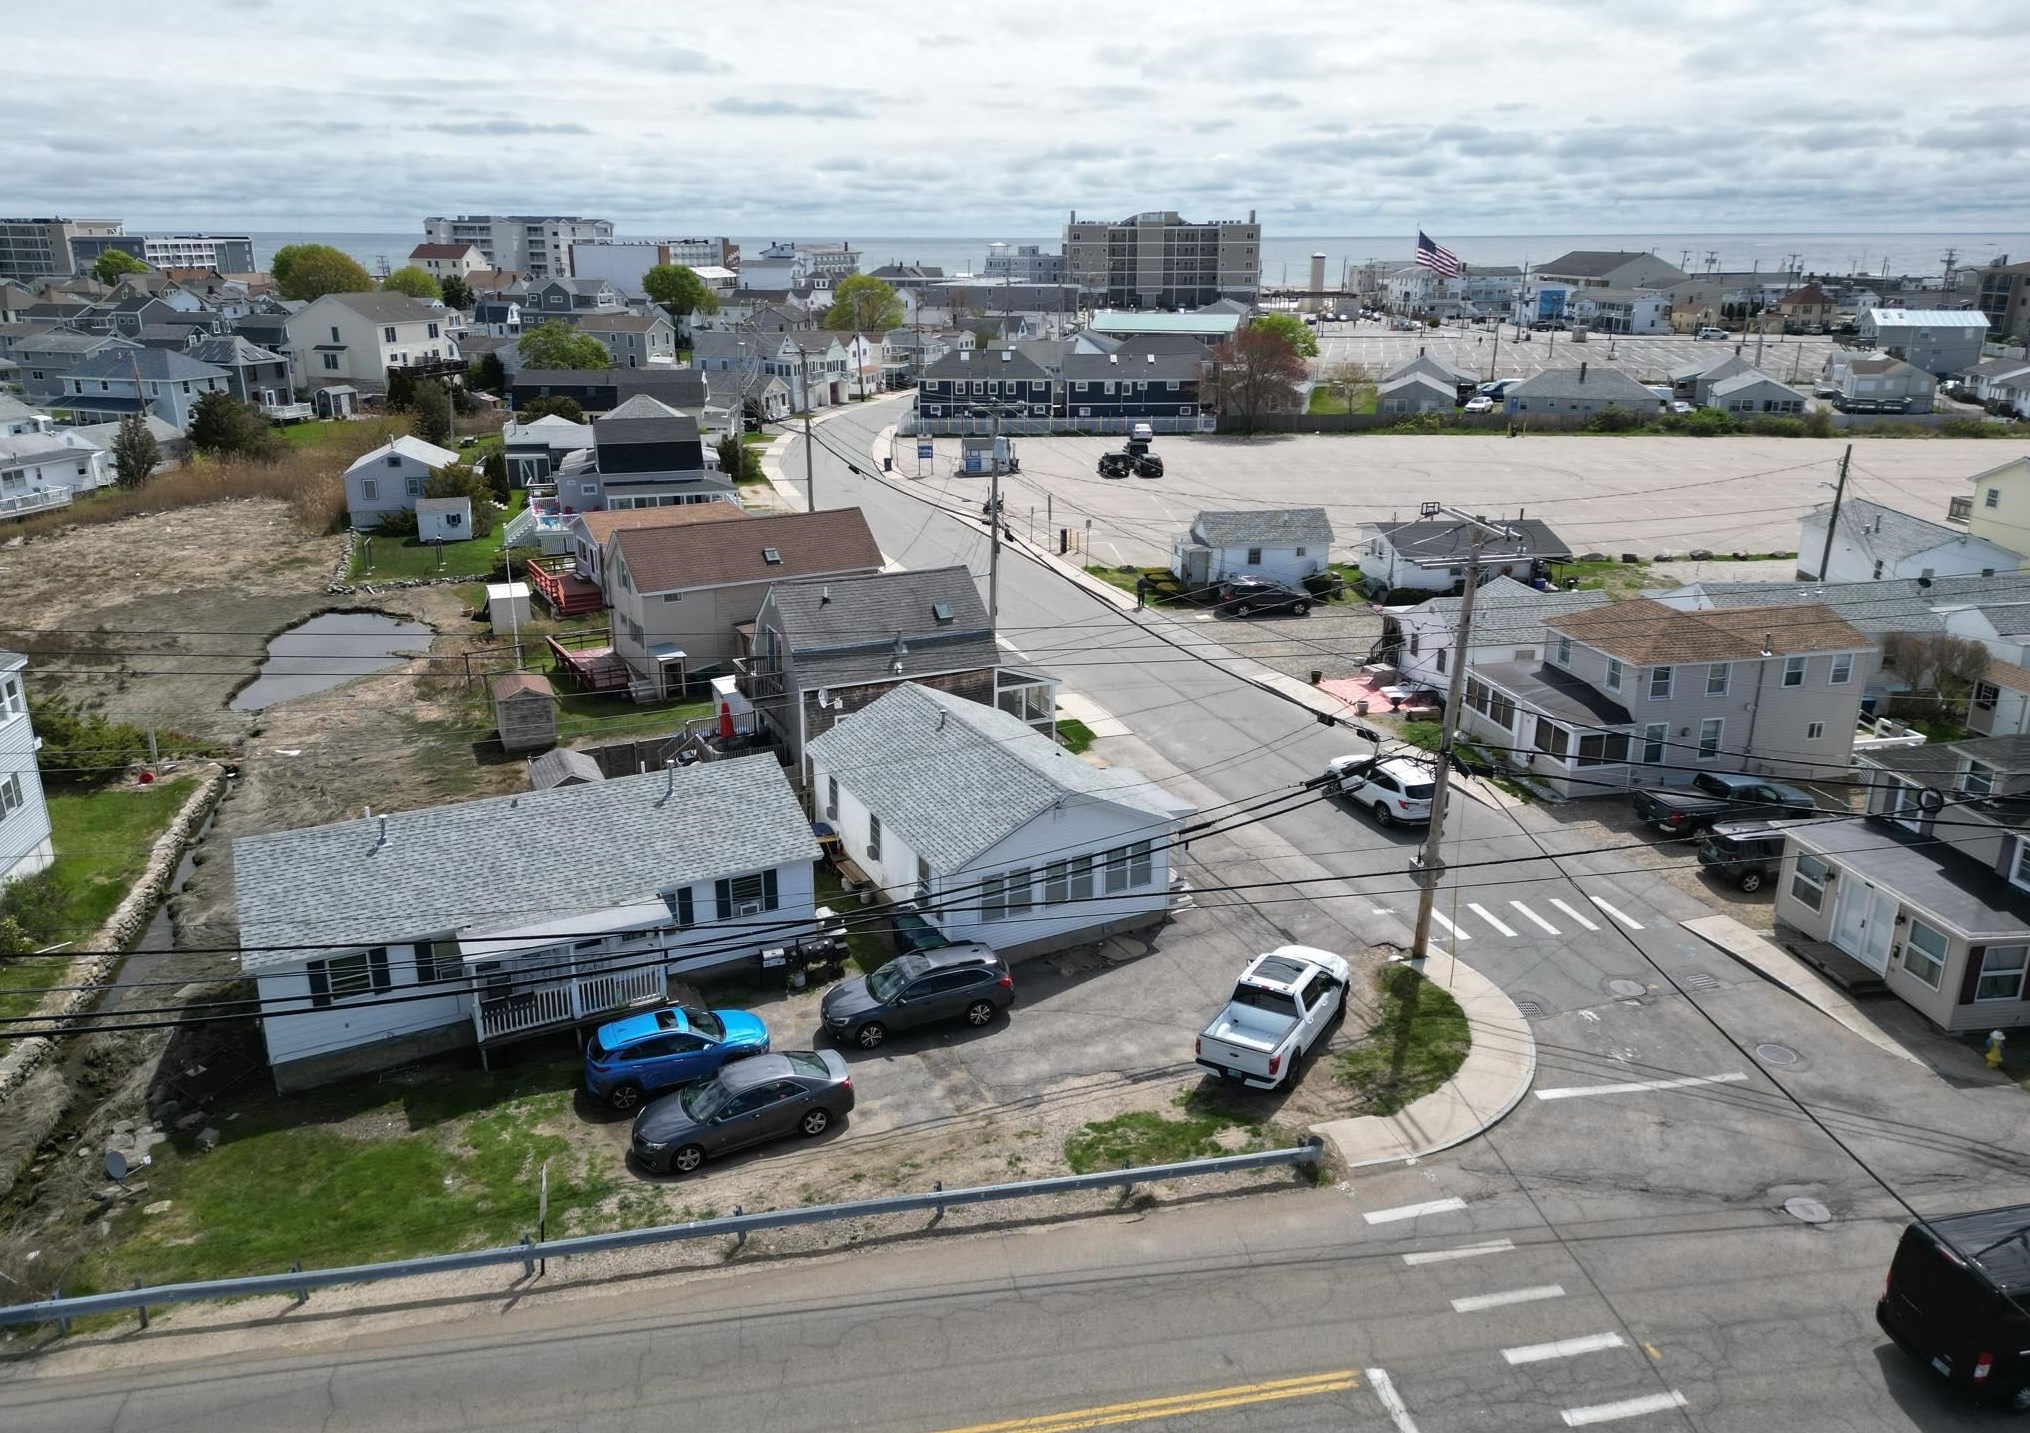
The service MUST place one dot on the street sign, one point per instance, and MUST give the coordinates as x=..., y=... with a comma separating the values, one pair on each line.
x=924, y=450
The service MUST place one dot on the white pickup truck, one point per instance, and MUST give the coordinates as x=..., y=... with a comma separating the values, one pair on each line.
x=1281, y=1007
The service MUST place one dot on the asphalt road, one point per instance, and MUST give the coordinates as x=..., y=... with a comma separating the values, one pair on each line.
x=1647, y=358
x=1618, y=1250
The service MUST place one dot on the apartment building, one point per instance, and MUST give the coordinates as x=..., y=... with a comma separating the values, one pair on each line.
x=227, y=253
x=1158, y=260
x=31, y=248
x=535, y=244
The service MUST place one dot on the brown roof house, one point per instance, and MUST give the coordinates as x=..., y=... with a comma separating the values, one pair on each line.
x=525, y=711
x=1639, y=694
x=591, y=530
x=679, y=593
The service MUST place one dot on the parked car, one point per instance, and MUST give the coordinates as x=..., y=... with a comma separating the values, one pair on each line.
x=1681, y=408
x=1718, y=796
x=1242, y=596
x=1480, y=403
x=1143, y=432
x=1116, y=465
x=966, y=982
x=1747, y=854
x=795, y=1092
x=1148, y=465
x=1709, y=332
x=1394, y=788
x=1281, y=1007
x=1953, y=1300
x=626, y=1059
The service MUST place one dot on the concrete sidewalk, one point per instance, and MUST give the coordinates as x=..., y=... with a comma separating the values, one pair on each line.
x=1492, y=1081
x=1780, y=967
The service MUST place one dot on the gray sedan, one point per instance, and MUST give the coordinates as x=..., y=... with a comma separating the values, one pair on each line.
x=768, y=1097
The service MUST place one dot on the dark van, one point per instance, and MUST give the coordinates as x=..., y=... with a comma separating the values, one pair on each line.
x=1744, y=853
x=1954, y=1300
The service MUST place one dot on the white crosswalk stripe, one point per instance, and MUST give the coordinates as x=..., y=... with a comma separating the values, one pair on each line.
x=1547, y=927
x=1573, y=914
x=1455, y=932
x=1628, y=920
x=1487, y=915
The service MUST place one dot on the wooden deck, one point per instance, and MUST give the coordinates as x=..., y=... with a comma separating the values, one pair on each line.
x=594, y=669
x=562, y=589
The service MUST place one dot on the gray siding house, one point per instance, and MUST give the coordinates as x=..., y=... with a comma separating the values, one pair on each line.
x=1638, y=694
x=1580, y=393
x=111, y=385
x=644, y=454
x=25, y=845
x=1284, y=544
x=390, y=479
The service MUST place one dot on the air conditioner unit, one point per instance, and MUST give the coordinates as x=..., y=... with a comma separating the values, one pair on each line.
x=831, y=813
x=748, y=908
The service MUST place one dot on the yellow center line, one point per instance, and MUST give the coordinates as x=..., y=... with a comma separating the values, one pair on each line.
x=1142, y=1410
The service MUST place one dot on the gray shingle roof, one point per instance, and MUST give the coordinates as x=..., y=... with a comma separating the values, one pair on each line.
x=642, y=419
x=952, y=778
x=1443, y=540
x=231, y=350
x=1601, y=384
x=1883, y=532
x=505, y=863
x=151, y=363
x=1431, y=368
x=1133, y=367
x=1266, y=527
x=851, y=637
x=388, y=307
x=1509, y=613
x=1735, y=382
x=561, y=766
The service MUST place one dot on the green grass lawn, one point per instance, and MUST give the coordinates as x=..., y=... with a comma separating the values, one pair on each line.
x=1074, y=734
x=869, y=950
x=606, y=715
x=1417, y=1042
x=102, y=841
x=1152, y=1137
x=1324, y=400
x=1616, y=579
x=311, y=435
x=395, y=559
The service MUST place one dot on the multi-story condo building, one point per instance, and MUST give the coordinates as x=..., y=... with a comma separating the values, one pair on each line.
x=2005, y=299
x=534, y=244
x=228, y=253
x=31, y=248
x=1026, y=263
x=1158, y=260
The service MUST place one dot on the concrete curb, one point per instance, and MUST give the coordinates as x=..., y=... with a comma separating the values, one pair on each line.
x=1491, y=1082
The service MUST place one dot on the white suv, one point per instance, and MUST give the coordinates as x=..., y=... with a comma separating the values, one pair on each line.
x=1394, y=788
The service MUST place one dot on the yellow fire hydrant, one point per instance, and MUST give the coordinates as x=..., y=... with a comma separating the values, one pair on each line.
x=1994, y=1056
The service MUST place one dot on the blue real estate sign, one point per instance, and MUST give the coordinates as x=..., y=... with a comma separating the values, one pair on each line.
x=923, y=450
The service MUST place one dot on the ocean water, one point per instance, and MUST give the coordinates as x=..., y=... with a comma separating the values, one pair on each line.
x=1287, y=258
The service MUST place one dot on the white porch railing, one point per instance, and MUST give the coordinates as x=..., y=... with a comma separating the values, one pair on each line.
x=38, y=500
x=595, y=991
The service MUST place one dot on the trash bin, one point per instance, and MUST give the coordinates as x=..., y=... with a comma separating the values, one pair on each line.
x=1317, y=676
x=888, y=465
x=1360, y=707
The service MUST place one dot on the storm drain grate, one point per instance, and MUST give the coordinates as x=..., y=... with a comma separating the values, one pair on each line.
x=1776, y=1054
x=1699, y=980
x=1530, y=1009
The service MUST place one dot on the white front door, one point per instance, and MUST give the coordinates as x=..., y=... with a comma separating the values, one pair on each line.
x=1863, y=922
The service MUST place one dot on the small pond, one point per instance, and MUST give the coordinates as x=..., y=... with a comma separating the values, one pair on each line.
x=327, y=650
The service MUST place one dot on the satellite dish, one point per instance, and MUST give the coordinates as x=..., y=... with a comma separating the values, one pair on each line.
x=118, y=1166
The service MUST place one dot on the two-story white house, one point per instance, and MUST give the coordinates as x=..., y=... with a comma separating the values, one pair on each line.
x=1636, y=693
x=378, y=941
x=391, y=478
x=992, y=829
x=1508, y=626
x=25, y=845
x=1282, y=544
x=357, y=338
x=634, y=340
x=1873, y=543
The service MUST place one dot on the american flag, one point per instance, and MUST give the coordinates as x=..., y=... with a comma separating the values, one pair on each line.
x=1436, y=256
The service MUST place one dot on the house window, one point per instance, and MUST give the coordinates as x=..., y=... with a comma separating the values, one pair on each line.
x=873, y=837
x=414, y=485
x=437, y=960
x=348, y=975
x=331, y=363
x=1986, y=694
x=1614, y=674
x=1659, y=683
x=1440, y=658
x=923, y=880
x=746, y=895
x=1993, y=499
x=369, y=490
x=1254, y=556
x=1068, y=880
x=1843, y=669
x=1814, y=730
x=1716, y=679
x=388, y=334
x=1709, y=737
x=1603, y=749
x=832, y=798
x=1808, y=882
x=433, y=330
x=11, y=703
x=683, y=907
x=1979, y=779
x=1924, y=954
x=1793, y=671
x=2002, y=968
x=11, y=799
x=1564, y=651
x=1129, y=867
x=1551, y=737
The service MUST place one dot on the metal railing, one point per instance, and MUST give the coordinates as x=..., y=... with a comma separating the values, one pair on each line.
x=299, y=1282
x=34, y=501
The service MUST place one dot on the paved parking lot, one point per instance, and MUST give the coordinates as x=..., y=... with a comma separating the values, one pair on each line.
x=1647, y=359
x=1611, y=494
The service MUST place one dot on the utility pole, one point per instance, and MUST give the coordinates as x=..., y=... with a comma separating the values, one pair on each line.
x=994, y=524
x=810, y=463
x=1431, y=864
x=1833, y=521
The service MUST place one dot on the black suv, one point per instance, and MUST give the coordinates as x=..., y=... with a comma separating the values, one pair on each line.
x=1242, y=596
x=1747, y=853
x=966, y=982
x=1143, y=463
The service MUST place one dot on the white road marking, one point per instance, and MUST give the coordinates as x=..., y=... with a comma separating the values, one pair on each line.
x=1473, y=1303
x=1382, y=911
x=1457, y=934
x=1487, y=915
x=1413, y=1211
x=1385, y=1389
x=1546, y=925
x=1630, y=921
x=1638, y=1086
x=1573, y=914
x=1464, y=1251
x=1627, y=1408
x=1564, y=1348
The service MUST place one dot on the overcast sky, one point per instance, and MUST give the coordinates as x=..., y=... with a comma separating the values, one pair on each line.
x=1472, y=117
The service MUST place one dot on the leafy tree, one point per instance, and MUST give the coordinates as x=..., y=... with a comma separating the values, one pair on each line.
x=862, y=303
x=738, y=460
x=555, y=344
x=135, y=451
x=455, y=292
x=110, y=266
x=415, y=281
x=433, y=412
x=558, y=407
x=486, y=373
x=225, y=427
x=462, y=480
x=401, y=390
x=1255, y=371
x=679, y=290
x=310, y=271
x=1297, y=333
x=494, y=466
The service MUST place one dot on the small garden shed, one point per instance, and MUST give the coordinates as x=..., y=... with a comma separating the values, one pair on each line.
x=525, y=711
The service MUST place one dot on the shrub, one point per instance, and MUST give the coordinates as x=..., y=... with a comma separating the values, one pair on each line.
x=1777, y=426
x=1972, y=428
x=516, y=558
x=1708, y=423
x=1819, y=423
x=398, y=524
x=81, y=748
x=1614, y=420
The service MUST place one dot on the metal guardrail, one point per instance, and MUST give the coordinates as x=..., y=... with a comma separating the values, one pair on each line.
x=299, y=1282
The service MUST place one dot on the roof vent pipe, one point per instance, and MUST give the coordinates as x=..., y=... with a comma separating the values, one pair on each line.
x=381, y=839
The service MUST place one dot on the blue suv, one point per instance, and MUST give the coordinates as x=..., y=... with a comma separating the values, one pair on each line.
x=656, y=1049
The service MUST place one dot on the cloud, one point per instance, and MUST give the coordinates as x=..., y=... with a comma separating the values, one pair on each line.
x=676, y=60
x=503, y=127
x=1272, y=100
x=771, y=109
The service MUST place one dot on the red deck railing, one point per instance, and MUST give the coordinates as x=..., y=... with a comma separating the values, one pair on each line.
x=562, y=589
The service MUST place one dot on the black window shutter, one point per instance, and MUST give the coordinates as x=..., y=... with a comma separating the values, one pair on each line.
x=1970, y=977
x=724, y=891
x=687, y=913
x=768, y=896
x=320, y=983
x=2005, y=865
x=377, y=963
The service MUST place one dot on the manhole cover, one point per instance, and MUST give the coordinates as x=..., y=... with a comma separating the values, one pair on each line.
x=1809, y=1210
x=1530, y=1009
x=1776, y=1054
x=1627, y=989
x=1699, y=980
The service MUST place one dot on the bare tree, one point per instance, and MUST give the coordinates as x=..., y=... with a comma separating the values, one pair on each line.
x=1255, y=371
x=1348, y=381
x=1936, y=662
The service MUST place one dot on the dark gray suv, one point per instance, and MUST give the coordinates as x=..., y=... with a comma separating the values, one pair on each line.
x=966, y=982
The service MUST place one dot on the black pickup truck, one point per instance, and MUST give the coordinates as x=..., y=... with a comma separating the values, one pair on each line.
x=1718, y=796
